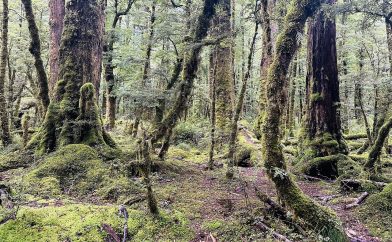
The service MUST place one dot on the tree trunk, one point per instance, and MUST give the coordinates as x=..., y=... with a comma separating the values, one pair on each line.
x=35, y=50
x=321, y=135
x=240, y=103
x=73, y=115
x=147, y=62
x=224, y=72
x=323, y=220
x=267, y=7
x=110, y=95
x=56, y=19
x=191, y=64
x=375, y=152
x=5, y=130
x=212, y=75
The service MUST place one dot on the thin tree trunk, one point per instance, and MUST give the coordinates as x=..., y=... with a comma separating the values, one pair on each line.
x=266, y=59
x=212, y=73
x=240, y=103
x=5, y=130
x=35, y=50
x=147, y=62
x=110, y=96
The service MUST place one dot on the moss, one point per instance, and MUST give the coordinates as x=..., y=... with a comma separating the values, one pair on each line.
x=376, y=213
x=15, y=160
x=76, y=167
x=76, y=222
x=316, y=97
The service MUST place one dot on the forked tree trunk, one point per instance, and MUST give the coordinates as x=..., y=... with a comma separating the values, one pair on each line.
x=5, y=130
x=324, y=220
x=73, y=116
x=56, y=20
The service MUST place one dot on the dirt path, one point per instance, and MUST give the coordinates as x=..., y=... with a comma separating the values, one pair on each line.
x=223, y=198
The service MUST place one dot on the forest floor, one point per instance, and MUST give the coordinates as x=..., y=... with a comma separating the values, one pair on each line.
x=196, y=205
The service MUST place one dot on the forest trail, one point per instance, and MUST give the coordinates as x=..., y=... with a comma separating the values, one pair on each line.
x=218, y=199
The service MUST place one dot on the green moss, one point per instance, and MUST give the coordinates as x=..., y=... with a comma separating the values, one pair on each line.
x=376, y=212
x=75, y=167
x=77, y=222
x=316, y=97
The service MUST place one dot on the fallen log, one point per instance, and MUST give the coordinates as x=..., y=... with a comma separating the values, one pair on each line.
x=358, y=201
x=276, y=235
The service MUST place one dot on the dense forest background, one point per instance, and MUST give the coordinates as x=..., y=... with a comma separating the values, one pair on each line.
x=196, y=120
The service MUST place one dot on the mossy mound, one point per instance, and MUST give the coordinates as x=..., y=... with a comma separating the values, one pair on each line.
x=15, y=160
x=376, y=212
x=248, y=150
x=77, y=170
x=78, y=222
x=330, y=167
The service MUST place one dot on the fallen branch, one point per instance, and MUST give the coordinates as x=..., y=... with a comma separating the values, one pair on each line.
x=358, y=201
x=311, y=178
x=111, y=232
x=276, y=235
x=133, y=201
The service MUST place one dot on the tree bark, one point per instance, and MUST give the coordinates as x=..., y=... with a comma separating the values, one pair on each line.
x=5, y=130
x=323, y=219
x=321, y=135
x=73, y=116
x=35, y=50
x=267, y=7
x=224, y=71
x=56, y=19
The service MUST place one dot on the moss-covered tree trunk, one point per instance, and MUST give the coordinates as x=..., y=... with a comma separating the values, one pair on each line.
x=239, y=105
x=375, y=151
x=5, y=130
x=321, y=219
x=190, y=67
x=72, y=116
x=321, y=135
x=56, y=19
x=224, y=87
x=35, y=50
x=267, y=7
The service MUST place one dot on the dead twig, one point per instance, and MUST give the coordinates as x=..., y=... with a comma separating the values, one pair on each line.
x=358, y=201
x=111, y=232
x=276, y=235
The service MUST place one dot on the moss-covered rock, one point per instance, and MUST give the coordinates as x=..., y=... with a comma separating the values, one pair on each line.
x=376, y=212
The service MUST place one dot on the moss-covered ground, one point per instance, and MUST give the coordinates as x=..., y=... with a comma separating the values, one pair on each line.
x=75, y=193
